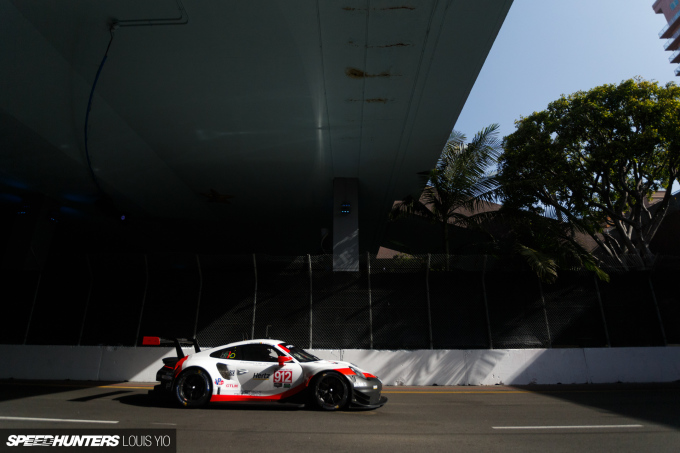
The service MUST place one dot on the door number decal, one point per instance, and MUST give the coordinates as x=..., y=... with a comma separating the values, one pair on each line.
x=283, y=376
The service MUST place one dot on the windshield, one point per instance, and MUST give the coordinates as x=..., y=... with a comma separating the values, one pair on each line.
x=300, y=354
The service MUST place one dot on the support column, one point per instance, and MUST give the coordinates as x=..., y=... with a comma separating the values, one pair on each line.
x=345, y=225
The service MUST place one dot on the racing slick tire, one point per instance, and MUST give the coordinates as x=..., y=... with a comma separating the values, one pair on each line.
x=193, y=388
x=329, y=392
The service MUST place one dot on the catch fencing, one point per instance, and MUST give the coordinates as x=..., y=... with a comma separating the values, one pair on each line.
x=407, y=302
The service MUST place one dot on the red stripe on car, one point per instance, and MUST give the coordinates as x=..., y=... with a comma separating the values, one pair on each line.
x=280, y=396
x=178, y=367
x=346, y=371
x=369, y=375
x=283, y=348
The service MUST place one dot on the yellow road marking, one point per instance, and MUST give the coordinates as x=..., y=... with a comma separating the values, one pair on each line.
x=80, y=386
x=500, y=391
x=542, y=391
x=121, y=387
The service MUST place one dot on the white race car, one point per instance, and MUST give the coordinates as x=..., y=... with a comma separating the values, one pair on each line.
x=263, y=370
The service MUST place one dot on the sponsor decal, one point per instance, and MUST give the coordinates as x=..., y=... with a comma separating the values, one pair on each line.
x=283, y=376
x=278, y=384
x=250, y=393
x=261, y=376
x=286, y=386
x=219, y=381
x=231, y=386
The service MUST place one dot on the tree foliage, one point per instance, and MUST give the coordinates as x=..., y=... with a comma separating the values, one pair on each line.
x=457, y=186
x=546, y=245
x=593, y=158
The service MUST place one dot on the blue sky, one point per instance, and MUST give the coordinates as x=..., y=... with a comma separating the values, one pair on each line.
x=548, y=47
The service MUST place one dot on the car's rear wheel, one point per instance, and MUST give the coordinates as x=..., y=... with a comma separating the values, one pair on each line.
x=193, y=388
x=329, y=392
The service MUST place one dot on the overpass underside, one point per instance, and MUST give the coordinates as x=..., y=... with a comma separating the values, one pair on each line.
x=220, y=125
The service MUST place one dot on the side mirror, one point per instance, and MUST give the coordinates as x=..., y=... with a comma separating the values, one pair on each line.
x=283, y=359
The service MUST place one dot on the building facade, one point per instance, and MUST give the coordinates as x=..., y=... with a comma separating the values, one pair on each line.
x=671, y=32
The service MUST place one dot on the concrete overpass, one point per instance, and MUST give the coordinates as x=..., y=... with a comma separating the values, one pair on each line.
x=224, y=126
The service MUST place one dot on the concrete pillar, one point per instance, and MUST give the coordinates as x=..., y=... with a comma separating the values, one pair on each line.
x=345, y=225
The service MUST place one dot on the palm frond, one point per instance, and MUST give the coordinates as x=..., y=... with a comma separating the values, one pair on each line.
x=410, y=207
x=544, y=266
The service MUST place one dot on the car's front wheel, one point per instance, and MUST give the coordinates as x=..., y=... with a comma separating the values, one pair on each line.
x=193, y=388
x=329, y=392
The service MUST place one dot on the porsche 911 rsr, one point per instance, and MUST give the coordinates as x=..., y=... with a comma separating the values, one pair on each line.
x=263, y=370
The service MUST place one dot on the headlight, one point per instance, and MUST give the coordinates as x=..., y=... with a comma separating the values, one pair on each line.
x=357, y=372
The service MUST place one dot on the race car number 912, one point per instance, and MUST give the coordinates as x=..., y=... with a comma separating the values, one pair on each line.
x=283, y=376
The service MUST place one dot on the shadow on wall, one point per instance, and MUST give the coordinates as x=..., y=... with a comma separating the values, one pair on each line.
x=83, y=363
x=423, y=367
x=517, y=366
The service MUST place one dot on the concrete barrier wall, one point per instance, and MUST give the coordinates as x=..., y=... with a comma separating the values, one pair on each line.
x=422, y=367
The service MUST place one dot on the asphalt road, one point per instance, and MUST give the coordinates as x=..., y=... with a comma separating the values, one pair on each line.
x=612, y=418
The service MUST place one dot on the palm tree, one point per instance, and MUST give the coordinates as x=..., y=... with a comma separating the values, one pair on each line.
x=459, y=184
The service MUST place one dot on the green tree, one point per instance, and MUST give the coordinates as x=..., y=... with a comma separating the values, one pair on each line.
x=593, y=158
x=459, y=183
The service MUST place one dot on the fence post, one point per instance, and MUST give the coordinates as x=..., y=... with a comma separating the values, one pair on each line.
x=87, y=301
x=252, y=332
x=604, y=320
x=545, y=313
x=309, y=261
x=146, y=287
x=658, y=313
x=200, y=290
x=429, y=311
x=370, y=301
x=486, y=305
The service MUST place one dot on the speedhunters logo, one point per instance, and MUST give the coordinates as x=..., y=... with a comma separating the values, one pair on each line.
x=147, y=440
x=37, y=440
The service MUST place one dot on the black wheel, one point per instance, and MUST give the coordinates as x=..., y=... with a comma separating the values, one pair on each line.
x=329, y=392
x=193, y=388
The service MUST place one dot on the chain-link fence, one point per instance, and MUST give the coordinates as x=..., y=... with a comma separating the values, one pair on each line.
x=406, y=302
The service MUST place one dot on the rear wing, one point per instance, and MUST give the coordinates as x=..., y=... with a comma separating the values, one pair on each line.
x=178, y=342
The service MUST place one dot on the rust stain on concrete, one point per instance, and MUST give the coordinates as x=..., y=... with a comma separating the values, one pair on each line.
x=355, y=73
x=370, y=101
x=399, y=44
x=390, y=8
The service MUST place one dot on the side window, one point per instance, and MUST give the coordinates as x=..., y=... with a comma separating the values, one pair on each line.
x=233, y=353
x=260, y=353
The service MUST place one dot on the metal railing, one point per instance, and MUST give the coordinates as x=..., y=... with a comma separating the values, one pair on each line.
x=669, y=25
